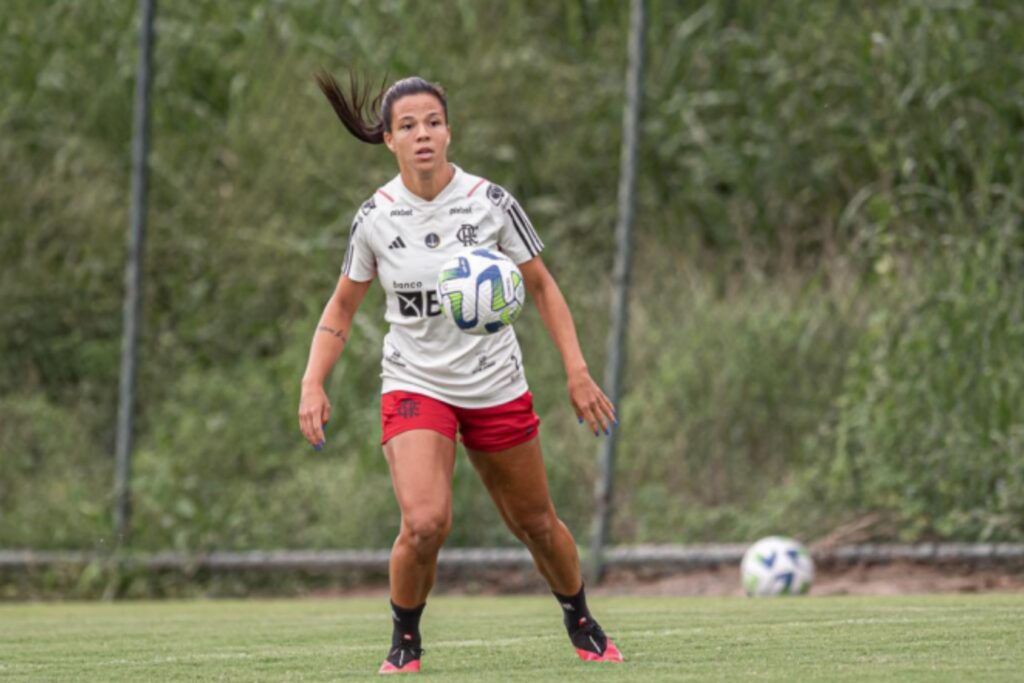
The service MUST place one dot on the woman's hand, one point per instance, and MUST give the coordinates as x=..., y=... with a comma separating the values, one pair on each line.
x=314, y=412
x=328, y=341
x=590, y=403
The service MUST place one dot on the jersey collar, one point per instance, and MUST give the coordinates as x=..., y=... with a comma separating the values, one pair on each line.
x=416, y=200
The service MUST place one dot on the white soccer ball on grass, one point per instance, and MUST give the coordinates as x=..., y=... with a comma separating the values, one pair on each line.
x=777, y=565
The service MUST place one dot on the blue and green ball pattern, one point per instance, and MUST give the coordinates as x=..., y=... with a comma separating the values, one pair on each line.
x=506, y=301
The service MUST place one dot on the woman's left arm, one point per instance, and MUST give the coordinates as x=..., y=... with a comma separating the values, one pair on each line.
x=587, y=399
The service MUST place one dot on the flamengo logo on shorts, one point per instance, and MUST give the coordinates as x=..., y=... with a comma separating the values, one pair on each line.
x=418, y=304
x=408, y=407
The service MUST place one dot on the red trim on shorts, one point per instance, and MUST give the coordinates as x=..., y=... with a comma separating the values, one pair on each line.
x=482, y=180
x=492, y=429
x=390, y=198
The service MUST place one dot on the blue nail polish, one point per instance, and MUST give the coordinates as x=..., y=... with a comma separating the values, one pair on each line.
x=580, y=419
x=597, y=433
x=606, y=431
x=317, y=447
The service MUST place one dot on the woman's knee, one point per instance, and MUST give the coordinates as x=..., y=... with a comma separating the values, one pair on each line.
x=535, y=527
x=426, y=531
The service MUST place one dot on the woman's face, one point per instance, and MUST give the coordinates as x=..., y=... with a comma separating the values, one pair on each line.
x=419, y=134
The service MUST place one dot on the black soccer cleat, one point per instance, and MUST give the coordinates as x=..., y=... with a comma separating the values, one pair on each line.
x=404, y=657
x=591, y=643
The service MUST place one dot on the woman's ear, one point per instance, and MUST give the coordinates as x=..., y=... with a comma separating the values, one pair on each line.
x=389, y=140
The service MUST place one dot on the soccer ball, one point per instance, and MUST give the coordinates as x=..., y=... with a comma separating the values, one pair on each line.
x=481, y=291
x=777, y=565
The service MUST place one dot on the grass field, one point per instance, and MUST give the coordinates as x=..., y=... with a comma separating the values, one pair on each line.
x=949, y=637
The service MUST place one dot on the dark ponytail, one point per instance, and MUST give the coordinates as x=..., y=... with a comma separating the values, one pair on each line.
x=370, y=126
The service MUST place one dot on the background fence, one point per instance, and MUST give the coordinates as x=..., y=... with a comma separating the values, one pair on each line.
x=827, y=305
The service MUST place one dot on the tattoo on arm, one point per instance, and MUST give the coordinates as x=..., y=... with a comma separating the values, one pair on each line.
x=337, y=334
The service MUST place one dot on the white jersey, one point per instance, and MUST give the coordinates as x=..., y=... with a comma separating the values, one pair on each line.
x=403, y=240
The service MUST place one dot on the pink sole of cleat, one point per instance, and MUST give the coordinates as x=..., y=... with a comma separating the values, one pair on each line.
x=611, y=654
x=410, y=668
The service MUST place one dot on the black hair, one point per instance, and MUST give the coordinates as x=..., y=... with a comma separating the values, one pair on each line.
x=370, y=126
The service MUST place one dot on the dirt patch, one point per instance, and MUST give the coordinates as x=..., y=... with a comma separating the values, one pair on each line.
x=898, y=578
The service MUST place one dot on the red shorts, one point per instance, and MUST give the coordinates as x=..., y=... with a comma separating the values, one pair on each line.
x=481, y=429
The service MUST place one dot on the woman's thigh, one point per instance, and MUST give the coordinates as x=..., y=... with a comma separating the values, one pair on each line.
x=421, y=463
x=515, y=478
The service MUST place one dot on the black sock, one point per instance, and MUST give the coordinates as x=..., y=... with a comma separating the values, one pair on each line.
x=407, y=625
x=574, y=609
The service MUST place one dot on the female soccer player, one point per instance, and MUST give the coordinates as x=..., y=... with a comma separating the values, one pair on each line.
x=438, y=381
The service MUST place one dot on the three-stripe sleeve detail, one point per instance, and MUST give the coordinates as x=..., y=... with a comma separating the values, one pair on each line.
x=346, y=265
x=525, y=229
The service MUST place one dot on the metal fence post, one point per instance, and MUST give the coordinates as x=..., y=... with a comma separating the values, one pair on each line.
x=133, y=275
x=620, y=274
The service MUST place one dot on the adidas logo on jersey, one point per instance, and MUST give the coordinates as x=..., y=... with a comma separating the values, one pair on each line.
x=398, y=243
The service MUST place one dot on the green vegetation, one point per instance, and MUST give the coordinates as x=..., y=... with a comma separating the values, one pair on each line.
x=504, y=639
x=827, y=312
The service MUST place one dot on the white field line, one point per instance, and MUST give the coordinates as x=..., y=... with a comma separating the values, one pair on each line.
x=263, y=653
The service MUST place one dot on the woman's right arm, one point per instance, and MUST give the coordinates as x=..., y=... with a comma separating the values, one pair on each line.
x=328, y=341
